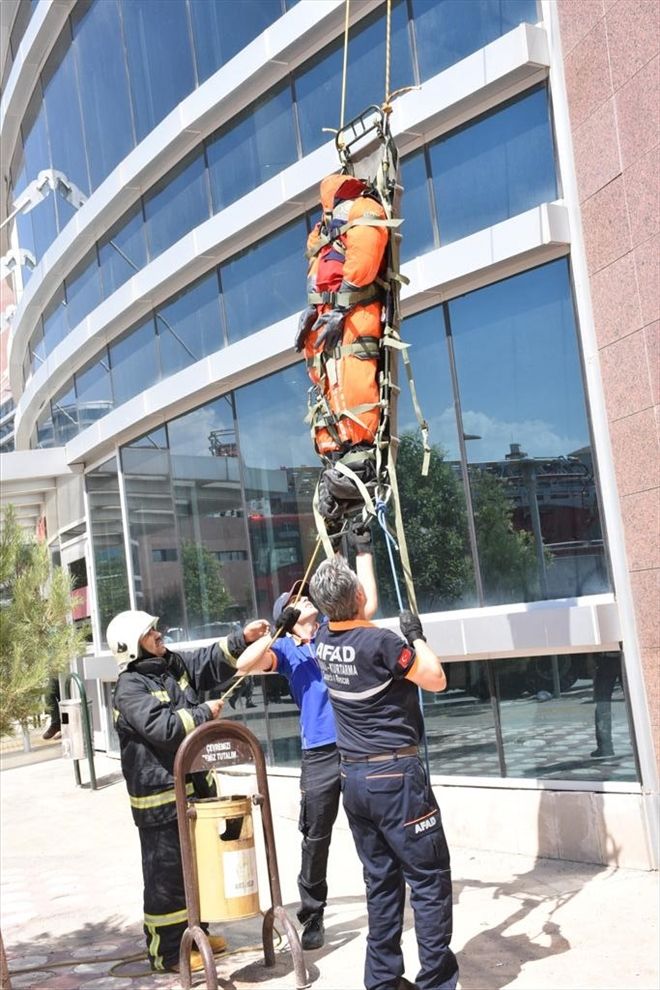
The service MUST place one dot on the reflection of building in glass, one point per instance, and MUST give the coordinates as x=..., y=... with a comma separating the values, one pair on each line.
x=159, y=403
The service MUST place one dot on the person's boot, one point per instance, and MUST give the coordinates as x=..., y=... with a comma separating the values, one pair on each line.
x=52, y=732
x=218, y=946
x=313, y=935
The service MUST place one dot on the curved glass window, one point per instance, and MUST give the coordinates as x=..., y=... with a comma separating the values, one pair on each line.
x=83, y=290
x=189, y=326
x=221, y=28
x=107, y=539
x=448, y=30
x=62, y=105
x=177, y=204
x=106, y=107
x=418, y=234
x=134, y=362
x=265, y=282
x=159, y=54
x=123, y=251
x=94, y=390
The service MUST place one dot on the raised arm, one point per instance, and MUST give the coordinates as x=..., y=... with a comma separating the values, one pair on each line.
x=427, y=671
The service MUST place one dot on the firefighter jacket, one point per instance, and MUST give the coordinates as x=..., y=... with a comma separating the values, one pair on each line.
x=157, y=703
x=347, y=258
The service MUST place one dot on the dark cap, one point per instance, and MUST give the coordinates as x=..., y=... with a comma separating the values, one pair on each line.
x=284, y=599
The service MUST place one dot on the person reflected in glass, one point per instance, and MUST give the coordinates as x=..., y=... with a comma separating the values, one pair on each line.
x=607, y=673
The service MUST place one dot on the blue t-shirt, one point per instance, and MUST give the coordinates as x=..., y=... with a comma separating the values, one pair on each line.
x=299, y=665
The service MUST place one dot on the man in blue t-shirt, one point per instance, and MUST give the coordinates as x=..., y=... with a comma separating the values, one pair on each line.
x=293, y=654
x=373, y=676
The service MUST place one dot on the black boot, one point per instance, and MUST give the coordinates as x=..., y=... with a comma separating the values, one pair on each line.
x=313, y=935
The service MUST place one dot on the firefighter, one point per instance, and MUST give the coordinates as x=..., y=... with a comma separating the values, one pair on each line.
x=157, y=703
x=372, y=676
x=340, y=329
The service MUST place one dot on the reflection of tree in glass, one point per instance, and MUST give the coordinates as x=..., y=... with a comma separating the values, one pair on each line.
x=207, y=598
x=435, y=525
x=507, y=556
x=111, y=585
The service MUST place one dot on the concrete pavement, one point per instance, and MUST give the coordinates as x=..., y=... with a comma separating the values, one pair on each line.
x=70, y=903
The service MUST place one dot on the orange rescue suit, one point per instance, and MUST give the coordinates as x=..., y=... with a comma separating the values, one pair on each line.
x=351, y=260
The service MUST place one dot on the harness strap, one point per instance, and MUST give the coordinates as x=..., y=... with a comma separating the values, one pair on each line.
x=364, y=221
x=345, y=300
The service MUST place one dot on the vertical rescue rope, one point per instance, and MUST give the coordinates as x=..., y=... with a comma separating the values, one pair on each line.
x=388, y=55
x=345, y=68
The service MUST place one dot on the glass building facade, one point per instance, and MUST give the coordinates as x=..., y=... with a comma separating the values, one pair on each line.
x=154, y=344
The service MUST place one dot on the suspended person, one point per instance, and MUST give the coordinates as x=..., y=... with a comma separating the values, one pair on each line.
x=372, y=676
x=293, y=655
x=340, y=330
x=157, y=703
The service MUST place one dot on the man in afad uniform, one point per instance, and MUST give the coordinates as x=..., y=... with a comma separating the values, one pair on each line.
x=372, y=677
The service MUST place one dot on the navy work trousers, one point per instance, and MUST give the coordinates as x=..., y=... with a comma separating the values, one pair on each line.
x=399, y=838
x=165, y=914
x=319, y=803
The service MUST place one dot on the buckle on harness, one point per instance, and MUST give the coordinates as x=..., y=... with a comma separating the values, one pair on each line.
x=328, y=298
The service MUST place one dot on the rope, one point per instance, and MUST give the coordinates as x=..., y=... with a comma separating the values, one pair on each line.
x=277, y=632
x=345, y=68
x=388, y=55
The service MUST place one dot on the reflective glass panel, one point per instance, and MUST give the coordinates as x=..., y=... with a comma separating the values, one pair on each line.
x=494, y=168
x=160, y=64
x=37, y=348
x=63, y=112
x=530, y=459
x=36, y=151
x=213, y=538
x=55, y=323
x=152, y=527
x=417, y=230
x=106, y=109
x=178, y=203
x=94, y=391
x=434, y=506
x=107, y=538
x=221, y=28
x=189, y=325
x=255, y=147
x=565, y=717
x=265, y=282
x=134, y=363
x=448, y=30
x=280, y=474
x=123, y=251
x=65, y=416
x=83, y=290
x=460, y=725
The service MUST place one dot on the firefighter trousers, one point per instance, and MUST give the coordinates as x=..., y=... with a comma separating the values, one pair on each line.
x=319, y=803
x=165, y=914
x=399, y=838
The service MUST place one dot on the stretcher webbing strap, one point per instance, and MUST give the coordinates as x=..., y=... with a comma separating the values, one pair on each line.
x=320, y=524
x=398, y=525
x=364, y=296
x=359, y=484
x=338, y=232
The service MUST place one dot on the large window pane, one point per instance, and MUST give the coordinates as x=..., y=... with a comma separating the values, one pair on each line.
x=134, y=363
x=254, y=148
x=160, y=64
x=93, y=391
x=501, y=165
x=581, y=732
x=221, y=28
x=83, y=290
x=433, y=507
x=417, y=230
x=212, y=531
x=265, y=282
x=531, y=465
x=448, y=30
x=189, y=325
x=106, y=110
x=123, y=251
x=62, y=104
x=460, y=726
x=55, y=323
x=107, y=538
x=318, y=84
x=178, y=204
x=36, y=154
x=65, y=416
x=280, y=475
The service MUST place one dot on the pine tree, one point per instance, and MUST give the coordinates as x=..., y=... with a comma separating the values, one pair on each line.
x=37, y=638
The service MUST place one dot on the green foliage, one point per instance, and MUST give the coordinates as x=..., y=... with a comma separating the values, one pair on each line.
x=111, y=584
x=37, y=639
x=207, y=598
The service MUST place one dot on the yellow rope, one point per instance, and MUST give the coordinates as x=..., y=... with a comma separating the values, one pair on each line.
x=345, y=68
x=230, y=690
x=388, y=53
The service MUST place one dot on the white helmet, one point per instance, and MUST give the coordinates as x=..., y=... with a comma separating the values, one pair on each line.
x=124, y=634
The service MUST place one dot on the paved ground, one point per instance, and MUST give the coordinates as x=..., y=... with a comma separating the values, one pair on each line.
x=70, y=903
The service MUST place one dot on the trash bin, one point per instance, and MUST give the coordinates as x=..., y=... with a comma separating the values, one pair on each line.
x=223, y=840
x=73, y=733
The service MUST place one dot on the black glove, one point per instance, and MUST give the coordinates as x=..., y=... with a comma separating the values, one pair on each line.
x=359, y=535
x=287, y=619
x=333, y=321
x=236, y=643
x=305, y=322
x=411, y=627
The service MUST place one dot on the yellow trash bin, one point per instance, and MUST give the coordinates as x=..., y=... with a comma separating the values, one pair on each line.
x=223, y=840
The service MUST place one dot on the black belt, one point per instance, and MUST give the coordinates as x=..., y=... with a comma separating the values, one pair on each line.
x=396, y=754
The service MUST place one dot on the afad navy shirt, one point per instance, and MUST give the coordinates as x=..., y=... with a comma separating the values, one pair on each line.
x=364, y=667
